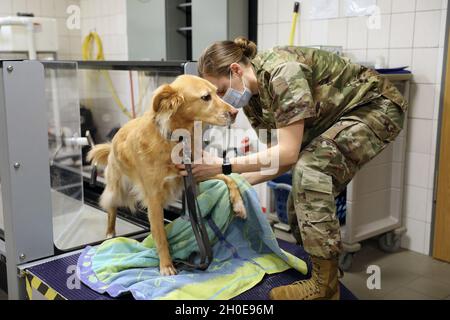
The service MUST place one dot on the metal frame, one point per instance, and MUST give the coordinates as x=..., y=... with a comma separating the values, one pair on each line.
x=24, y=160
x=25, y=180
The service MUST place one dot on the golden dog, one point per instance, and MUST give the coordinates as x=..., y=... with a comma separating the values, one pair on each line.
x=139, y=168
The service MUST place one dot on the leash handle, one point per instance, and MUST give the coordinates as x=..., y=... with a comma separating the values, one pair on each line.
x=190, y=203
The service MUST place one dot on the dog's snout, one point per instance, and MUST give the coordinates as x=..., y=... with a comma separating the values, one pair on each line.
x=233, y=114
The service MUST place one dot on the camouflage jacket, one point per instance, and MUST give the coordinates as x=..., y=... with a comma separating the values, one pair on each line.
x=318, y=86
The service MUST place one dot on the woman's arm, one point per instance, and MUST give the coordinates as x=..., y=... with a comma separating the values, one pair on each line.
x=284, y=153
x=257, y=177
x=267, y=162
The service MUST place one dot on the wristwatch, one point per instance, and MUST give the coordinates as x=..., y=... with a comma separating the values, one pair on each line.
x=226, y=167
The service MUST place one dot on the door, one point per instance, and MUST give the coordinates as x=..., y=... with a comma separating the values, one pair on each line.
x=441, y=243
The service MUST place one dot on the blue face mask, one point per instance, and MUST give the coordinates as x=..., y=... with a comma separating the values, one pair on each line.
x=237, y=99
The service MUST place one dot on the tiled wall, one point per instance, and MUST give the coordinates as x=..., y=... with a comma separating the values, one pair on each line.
x=411, y=33
x=108, y=19
x=68, y=40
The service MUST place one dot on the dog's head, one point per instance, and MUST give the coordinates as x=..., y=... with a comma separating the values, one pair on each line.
x=188, y=99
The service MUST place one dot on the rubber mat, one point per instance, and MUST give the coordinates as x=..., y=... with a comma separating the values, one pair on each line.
x=57, y=273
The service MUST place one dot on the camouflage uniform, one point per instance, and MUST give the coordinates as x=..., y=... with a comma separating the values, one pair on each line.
x=351, y=114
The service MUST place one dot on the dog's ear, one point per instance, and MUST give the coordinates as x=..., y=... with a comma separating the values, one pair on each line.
x=166, y=100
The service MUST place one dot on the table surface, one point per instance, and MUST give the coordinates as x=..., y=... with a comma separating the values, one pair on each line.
x=54, y=274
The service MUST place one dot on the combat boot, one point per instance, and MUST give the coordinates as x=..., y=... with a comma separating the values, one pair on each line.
x=323, y=284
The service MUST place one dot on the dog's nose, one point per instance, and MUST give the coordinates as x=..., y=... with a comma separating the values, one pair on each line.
x=233, y=113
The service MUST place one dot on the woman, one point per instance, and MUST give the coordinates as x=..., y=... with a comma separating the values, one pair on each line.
x=331, y=117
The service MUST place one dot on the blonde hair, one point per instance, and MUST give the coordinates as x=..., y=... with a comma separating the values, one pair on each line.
x=217, y=58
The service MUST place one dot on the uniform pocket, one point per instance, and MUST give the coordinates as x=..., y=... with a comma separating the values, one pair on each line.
x=359, y=142
x=384, y=117
x=317, y=181
x=318, y=189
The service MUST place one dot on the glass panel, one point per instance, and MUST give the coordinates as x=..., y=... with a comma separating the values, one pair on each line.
x=74, y=222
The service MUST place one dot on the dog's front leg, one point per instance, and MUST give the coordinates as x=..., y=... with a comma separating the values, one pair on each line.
x=156, y=218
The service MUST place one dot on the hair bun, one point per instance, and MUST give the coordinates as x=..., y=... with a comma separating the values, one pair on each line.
x=248, y=47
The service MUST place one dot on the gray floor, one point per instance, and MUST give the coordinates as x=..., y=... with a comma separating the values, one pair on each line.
x=404, y=275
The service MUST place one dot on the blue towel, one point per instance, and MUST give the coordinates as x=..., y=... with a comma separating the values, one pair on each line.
x=244, y=251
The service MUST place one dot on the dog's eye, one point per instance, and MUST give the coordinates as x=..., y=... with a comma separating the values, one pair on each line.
x=206, y=97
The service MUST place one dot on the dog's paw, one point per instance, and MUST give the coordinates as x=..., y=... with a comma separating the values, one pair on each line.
x=110, y=235
x=167, y=270
x=239, y=209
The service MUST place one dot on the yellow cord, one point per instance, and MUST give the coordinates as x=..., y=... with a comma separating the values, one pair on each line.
x=87, y=54
x=293, y=27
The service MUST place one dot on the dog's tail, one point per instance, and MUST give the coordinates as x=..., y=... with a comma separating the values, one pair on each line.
x=99, y=154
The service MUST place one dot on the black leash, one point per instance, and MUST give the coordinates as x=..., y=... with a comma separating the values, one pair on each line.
x=197, y=222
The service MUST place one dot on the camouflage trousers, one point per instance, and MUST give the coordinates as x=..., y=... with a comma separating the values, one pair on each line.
x=328, y=163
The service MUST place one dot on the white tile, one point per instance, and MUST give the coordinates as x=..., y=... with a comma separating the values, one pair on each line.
x=270, y=11
x=379, y=35
x=425, y=65
x=400, y=58
x=378, y=56
x=437, y=102
x=403, y=5
x=357, y=33
x=319, y=32
x=108, y=7
x=19, y=6
x=48, y=8
x=97, y=8
x=64, y=44
x=259, y=41
x=416, y=203
x=303, y=33
x=34, y=6
x=356, y=55
x=284, y=30
x=431, y=171
x=121, y=24
x=6, y=7
x=419, y=135
x=62, y=28
x=270, y=35
x=417, y=166
x=415, y=235
x=402, y=30
x=434, y=136
x=422, y=101
x=306, y=8
x=440, y=66
x=60, y=8
x=337, y=32
x=427, y=240
x=385, y=6
x=285, y=10
x=427, y=29
x=260, y=12
x=75, y=45
x=443, y=28
x=428, y=5
x=429, y=211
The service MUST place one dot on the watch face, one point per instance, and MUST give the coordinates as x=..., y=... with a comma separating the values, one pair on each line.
x=226, y=168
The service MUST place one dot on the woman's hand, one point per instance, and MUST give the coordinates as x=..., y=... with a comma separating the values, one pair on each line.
x=210, y=166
